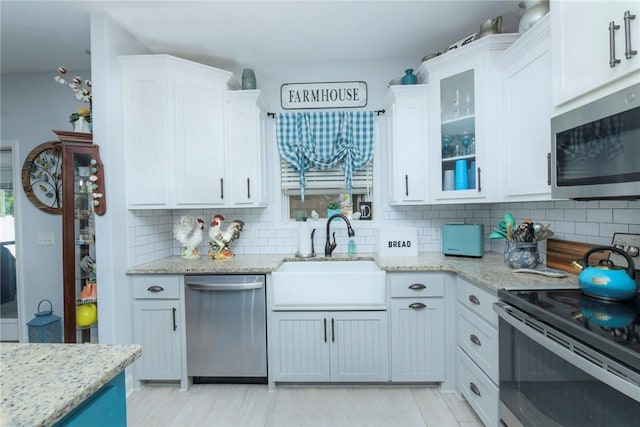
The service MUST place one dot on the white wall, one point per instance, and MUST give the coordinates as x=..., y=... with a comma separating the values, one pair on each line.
x=108, y=40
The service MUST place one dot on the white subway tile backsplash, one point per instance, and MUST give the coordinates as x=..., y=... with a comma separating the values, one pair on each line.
x=600, y=215
x=587, y=228
x=554, y=214
x=150, y=232
x=575, y=215
x=628, y=216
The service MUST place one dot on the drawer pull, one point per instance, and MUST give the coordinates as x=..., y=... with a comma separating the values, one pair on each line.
x=474, y=389
x=155, y=289
x=474, y=339
x=417, y=287
x=474, y=299
x=417, y=305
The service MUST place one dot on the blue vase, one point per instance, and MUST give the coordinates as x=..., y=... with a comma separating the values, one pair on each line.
x=248, y=79
x=409, y=78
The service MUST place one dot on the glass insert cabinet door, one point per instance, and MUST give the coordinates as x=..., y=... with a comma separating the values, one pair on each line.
x=458, y=133
x=79, y=250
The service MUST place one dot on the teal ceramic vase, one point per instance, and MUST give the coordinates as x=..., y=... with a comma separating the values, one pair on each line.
x=409, y=78
x=248, y=79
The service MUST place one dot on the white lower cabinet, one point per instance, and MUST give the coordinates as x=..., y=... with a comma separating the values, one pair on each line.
x=481, y=393
x=417, y=334
x=158, y=326
x=347, y=346
x=477, y=350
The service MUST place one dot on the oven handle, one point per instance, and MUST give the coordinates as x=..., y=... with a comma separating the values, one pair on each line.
x=515, y=318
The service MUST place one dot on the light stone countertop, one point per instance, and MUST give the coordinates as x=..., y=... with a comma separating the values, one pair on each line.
x=41, y=383
x=489, y=272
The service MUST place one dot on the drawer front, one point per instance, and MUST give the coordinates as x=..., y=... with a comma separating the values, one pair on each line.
x=478, y=301
x=477, y=388
x=416, y=285
x=156, y=287
x=479, y=340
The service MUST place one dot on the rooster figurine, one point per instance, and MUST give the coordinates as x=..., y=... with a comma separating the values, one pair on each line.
x=221, y=239
x=188, y=231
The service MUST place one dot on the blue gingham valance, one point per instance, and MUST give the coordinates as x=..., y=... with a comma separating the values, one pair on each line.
x=325, y=139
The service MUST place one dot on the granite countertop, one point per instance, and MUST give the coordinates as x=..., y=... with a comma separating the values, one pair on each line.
x=489, y=272
x=41, y=383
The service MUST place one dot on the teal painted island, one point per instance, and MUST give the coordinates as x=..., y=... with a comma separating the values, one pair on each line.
x=64, y=384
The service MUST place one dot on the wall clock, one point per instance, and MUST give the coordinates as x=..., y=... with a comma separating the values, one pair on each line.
x=42, y=177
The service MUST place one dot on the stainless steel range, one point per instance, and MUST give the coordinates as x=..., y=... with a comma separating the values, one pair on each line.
x=567, y=359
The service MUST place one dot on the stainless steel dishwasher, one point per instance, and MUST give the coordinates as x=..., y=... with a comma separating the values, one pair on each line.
x=226, y=328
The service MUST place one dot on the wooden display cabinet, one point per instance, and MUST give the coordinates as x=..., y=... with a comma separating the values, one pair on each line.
x=82, y=198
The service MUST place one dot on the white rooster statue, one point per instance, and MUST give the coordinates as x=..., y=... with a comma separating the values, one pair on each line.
x=188, y=231
x=221, y=239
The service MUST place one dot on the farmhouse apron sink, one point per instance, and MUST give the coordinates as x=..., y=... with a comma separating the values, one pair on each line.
x=333, y=285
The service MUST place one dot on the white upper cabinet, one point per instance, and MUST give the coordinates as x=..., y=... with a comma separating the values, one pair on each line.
x=407, y=140
x=463, y=143
x=191, y=143
x=526, y=116
x=585, y=48
x=200, y=157
x=246, y=123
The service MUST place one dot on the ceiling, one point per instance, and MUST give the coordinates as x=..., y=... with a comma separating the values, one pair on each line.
x=244, y=33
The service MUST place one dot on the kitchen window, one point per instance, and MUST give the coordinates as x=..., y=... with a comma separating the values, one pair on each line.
x=325, y=156
x=323, y=186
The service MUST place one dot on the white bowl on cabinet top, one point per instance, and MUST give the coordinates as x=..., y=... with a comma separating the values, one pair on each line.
x=328, y=285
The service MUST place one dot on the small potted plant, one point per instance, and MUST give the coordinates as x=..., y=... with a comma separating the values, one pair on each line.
x=334, y=207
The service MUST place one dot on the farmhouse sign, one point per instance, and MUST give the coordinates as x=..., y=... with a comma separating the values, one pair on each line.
x=298, y=96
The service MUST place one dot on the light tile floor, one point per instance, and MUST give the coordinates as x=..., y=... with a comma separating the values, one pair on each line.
x=300, y=406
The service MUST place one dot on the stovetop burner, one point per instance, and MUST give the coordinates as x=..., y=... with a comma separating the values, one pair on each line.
x=610, y=326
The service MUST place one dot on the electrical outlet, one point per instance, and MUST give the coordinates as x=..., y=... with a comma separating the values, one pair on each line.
x=436, y=234
x=45, y=238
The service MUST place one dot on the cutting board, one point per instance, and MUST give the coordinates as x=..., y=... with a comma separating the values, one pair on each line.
x=560, y=254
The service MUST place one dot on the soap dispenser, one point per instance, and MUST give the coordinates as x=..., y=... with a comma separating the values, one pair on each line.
x=352, y=249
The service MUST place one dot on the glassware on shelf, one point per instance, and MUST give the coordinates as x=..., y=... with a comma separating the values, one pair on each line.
x=457, y=148
x=466, y=138
x=468, y=103
x=446, y=141
x=455, y=110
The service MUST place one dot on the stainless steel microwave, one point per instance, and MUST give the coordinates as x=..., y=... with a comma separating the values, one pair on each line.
x=595, y=149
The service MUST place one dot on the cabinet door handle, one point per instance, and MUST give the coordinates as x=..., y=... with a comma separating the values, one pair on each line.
x=325, y=330
x=612, y=44
x=174, y=318
x=628, y=52
x=417, y=305
x=222, y=188
x=548, y=168
x=479, y=180
x=333, y=332
x=155, y=289
x=248, y=188
x=406, y=185
x=474, y=389
x=474, y=339
x=474, y=299
x=417, y=287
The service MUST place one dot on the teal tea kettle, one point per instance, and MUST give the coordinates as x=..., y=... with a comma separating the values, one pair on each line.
x=606, y=280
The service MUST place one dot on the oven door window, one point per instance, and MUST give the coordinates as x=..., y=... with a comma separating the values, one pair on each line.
x=604, y=151
x=540, y=388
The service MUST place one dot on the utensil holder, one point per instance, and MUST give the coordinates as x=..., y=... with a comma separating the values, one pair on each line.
x=521, y=254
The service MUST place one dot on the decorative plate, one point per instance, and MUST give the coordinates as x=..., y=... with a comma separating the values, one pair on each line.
x=42, y=177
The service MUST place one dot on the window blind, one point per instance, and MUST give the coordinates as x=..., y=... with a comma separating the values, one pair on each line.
x=329, y=179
